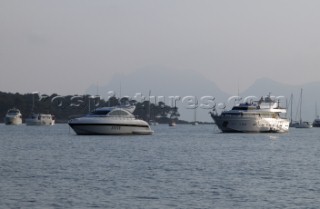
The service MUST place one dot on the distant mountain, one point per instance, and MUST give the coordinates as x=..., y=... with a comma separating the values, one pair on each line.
x=166, y=82
x=163, y=81
x=310, y=95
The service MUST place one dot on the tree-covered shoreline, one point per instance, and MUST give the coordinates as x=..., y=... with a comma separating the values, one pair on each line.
x=70, y=106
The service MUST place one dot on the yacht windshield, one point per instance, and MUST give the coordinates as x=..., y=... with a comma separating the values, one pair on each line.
x=100, y=112
x=120, y=113
x=13, y=112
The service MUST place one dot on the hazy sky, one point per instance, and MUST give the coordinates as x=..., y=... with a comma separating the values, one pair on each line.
x=64, y=46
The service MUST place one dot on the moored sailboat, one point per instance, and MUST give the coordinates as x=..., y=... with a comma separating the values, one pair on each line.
x=302, y=124
x=316, y=121
x=39, y=119
x=292, y=122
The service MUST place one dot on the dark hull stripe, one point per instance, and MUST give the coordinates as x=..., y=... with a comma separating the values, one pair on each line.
x=107, y=124
x=235, y=131
x=230, y=130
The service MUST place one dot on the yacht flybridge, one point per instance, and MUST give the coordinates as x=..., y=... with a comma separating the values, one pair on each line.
x=264, y=115
x=109, y=120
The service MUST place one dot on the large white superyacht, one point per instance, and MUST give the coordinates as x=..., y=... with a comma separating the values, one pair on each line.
x=264, y=115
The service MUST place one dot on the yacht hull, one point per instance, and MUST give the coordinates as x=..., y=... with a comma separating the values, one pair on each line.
x=316, y=123
x=109, y=129
x=109, y=121
x=105, y=127
x=304, y=125
x=40, y=120
x=255, y=125
x=13, y=120
x=32, y=122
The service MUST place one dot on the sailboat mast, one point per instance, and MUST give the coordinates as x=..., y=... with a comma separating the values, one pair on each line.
x=33, y=93
x=32, y=109
x=291, y=101
x=195, y=115
x=149, y=107
x=300, y=105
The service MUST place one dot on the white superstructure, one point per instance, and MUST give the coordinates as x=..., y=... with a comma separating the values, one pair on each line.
x=109, y=120
x=40, y=119
x=264, y=115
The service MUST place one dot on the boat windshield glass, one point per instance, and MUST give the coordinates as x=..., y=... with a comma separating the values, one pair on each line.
x=240, y=108
x=100, y=112
x=119, y=113
x=13, y=112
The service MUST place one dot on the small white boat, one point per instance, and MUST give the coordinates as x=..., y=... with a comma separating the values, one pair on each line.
x=153, y=123
x=195, y=123
x=303, y=124
x=174, y=115
x=13, y=117
x=172, y=123
x=316, y=123
x=109, y=120
x=41, y=119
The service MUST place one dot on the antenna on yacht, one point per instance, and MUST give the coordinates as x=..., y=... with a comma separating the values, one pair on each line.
x=238, y=98
x=97, y=88
x=291, y=101
x=120, y=89
x=269, y=97
x=286, y=107
x=32, y=108
x=317, y=116
x=238, y=88
x=120, y=94
x=149, y=108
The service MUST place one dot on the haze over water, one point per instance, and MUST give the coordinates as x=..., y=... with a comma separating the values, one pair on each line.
x=181, y=167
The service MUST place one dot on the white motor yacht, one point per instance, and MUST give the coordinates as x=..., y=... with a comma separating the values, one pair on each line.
x=13, y=117
x=316, y=123
x=172, y=123
x=260, y=116
x=304, y=124
x=109, y=120
x=41, y=119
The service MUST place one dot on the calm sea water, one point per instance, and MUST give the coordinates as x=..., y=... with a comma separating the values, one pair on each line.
x=181, y=167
